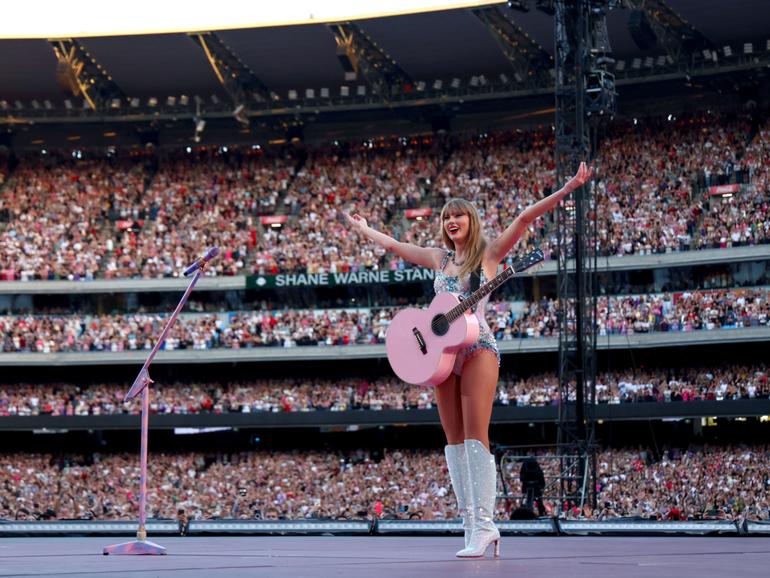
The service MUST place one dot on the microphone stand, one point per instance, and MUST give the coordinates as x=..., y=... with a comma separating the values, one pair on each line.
x=142, y=546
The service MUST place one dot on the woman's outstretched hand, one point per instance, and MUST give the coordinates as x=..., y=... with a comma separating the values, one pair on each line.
x=583, y=175
x=357, y=222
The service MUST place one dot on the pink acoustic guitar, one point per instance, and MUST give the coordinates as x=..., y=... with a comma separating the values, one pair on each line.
x=422, y=343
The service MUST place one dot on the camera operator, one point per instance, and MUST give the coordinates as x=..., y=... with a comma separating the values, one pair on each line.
x=532, y=484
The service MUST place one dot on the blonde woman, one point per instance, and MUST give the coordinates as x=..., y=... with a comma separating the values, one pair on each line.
x=465, y=398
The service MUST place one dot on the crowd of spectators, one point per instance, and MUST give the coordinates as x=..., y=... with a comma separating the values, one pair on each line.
x=686, y=311
x=651, y=185
x=662, y=312
x=502, y=173
x=708, y=482
x=645, y=385
x=195, y=202
x=350, y=394
x=56, y=216
x=378, y=179
x=268, y=485
x=648, y=202
x=717, y=483
x=113, y=218
x=735, y=220
x=117, y=218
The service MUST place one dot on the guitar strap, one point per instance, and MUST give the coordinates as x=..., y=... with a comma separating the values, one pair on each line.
x=475, y=282
x=476, y=279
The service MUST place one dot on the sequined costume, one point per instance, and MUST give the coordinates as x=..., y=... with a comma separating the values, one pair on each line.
x=442, y=283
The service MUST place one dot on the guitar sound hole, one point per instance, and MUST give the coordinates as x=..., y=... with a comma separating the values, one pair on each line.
x=439, y=325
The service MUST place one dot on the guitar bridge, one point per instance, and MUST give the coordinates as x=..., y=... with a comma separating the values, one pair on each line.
x=420, y=340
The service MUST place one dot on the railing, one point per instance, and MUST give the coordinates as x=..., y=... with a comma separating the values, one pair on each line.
x=678, y=410
x=239, y=282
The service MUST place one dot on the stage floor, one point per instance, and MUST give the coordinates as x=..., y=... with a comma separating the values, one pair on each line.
x=375, y=557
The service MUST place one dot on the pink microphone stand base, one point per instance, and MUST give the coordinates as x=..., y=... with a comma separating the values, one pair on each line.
x=135, y=548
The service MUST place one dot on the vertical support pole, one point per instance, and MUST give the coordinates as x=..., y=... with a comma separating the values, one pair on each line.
x=141, y=533
x=575, y=252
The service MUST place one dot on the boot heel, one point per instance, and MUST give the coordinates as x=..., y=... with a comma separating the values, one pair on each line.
x=497, y=548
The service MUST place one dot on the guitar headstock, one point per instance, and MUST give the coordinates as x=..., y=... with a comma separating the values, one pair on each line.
x=527, y=261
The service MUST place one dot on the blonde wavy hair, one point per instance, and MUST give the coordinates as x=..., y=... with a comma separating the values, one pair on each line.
x=476, y=241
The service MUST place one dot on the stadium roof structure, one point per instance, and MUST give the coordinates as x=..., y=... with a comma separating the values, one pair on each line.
x=88, y=18
x=459, y=55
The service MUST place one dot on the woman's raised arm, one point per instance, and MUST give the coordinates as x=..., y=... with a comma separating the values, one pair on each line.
x=425, y=257
x=500, y=247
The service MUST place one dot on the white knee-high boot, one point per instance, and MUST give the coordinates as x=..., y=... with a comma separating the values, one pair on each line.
x=457, y=464
x=483, y=486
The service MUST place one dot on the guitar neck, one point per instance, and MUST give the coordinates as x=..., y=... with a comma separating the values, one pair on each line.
x=521, y=265
x=479, y=294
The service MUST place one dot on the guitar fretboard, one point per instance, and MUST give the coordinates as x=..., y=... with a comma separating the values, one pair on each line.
x=479, y=294
x=487, y=288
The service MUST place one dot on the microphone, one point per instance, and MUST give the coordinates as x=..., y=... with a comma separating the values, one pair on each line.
x=198, y=263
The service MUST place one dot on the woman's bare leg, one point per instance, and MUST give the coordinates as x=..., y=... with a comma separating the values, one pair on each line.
x=450, y=409
x=478, y=386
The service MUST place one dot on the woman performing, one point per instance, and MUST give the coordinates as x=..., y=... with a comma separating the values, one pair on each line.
x=465, y=398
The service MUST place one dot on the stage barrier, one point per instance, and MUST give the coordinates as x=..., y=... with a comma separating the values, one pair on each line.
x=375, y=527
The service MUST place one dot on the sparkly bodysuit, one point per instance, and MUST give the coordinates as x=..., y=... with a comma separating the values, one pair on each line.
x=486, y=342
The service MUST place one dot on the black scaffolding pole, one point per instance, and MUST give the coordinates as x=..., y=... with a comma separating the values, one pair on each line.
x=575, y=22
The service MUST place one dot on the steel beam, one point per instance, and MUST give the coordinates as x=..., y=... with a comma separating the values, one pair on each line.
x=79, y=72
x=361, y=56
x=530, y=62
x=678, y=38
x=238, y=80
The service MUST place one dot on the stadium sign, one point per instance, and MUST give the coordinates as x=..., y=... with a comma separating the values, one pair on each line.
x=333, y=279
x=724, y=190
x=419, y=213
x=274, y=220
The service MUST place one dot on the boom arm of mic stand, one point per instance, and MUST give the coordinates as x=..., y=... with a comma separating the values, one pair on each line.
x=143, y=379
